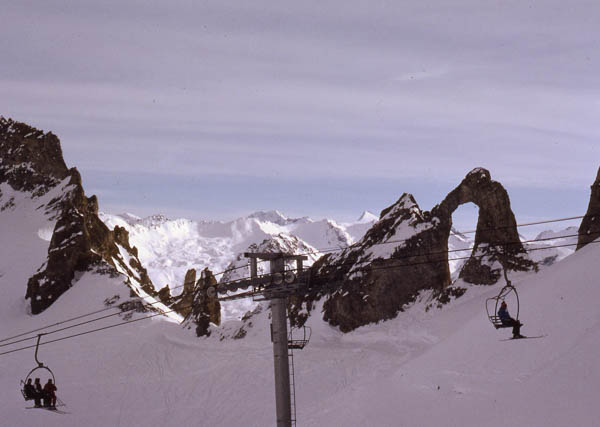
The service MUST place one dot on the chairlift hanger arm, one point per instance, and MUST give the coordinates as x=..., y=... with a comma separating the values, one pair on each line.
x=37, y=346
x=504, y=293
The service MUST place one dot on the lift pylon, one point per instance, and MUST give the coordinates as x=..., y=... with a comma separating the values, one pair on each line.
x=277, y=293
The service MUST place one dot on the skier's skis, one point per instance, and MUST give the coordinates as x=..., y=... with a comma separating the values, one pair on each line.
x=524, y=338
x=55, y=410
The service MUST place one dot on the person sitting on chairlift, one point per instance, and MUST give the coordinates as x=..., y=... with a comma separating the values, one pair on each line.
x=39, y=393
x=29, y=390
x=509, y=321
x=50, y=395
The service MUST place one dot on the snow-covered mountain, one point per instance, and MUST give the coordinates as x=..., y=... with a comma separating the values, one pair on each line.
x=562, y=243
x=168, y=248
x=459, y=249
x=358, y=228
x=47, y=220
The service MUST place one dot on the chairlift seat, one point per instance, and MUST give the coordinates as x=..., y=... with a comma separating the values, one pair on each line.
x=498, y=323
x=299, y=344
x=492, y=305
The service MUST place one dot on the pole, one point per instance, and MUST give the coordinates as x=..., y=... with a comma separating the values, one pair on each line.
x=253, y=268
x=280, y=353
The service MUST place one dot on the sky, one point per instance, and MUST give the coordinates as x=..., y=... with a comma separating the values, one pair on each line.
x=213, y=110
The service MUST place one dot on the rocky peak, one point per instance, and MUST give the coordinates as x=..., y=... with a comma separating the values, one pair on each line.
x=406, y=251
x=31, y=159
x=589, y=230
x=204, y=308
x=32, y=162
x=405, y=212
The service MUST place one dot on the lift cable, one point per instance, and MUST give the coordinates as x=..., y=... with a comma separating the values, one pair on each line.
x=226, y=298
x=245, y=266
x=92, y=313
x=353, y=263
x=460, y=233
x=488, y=244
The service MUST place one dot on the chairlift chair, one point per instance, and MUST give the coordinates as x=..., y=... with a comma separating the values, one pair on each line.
x=493, y=304
x=299, y=343
x=40, y=366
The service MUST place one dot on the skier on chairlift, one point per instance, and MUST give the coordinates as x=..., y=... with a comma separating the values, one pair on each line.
x=39, y=393
x=29, y=390
x=50, y=395
x=509, y=321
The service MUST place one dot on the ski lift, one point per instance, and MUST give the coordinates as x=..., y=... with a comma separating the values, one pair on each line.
x=42, y=367
x=508, y=292
x=299, y=343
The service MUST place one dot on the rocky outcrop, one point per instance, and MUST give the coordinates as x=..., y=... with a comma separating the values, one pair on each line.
x=183, y=303
x=205, y=308
x=32, y=162
x=395, y=259
x=497, y=242
x=406, y=251
x=589, y=230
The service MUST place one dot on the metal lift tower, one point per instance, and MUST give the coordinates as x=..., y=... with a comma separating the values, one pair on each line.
x=279, y=332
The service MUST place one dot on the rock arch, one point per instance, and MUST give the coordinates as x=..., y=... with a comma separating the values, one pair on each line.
x=497, y=241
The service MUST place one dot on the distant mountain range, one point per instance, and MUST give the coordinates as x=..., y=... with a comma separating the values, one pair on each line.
x=169, y=247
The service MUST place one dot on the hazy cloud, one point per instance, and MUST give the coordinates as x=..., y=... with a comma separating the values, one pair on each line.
x=269, y=90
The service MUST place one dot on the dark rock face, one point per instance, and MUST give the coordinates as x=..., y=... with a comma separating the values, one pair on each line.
x=396, y=258
x=183, y=303
x=589, y=230
x=31, y=161
x=497, y=240
x=406, y=251
x=205, y=309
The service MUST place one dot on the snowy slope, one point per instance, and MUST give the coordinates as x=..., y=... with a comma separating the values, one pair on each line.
x=26, y=231
x=444, y=367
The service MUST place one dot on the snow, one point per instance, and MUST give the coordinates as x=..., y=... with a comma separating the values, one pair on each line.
x=368, y=217
x=169, y=248
x=566, y=238
x=25, y=240
x=357, y=229
x=401, y=230
x=460, y=246
x=436, y=367
x=135, y=283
